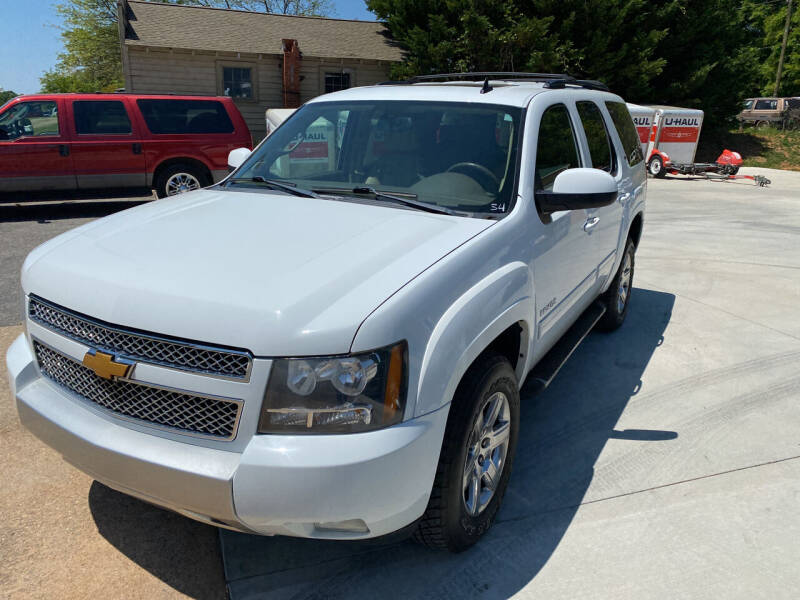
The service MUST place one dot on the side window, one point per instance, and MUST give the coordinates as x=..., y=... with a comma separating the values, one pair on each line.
x=29, y=119
x=600, y=149
x=237, y=82
x=748, y=104
x=101, y=117
x=555, y=150
x=766, y=104
x=626, y=130
x=185, y=116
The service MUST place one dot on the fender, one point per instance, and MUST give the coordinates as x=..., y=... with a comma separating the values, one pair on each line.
x=469, y=325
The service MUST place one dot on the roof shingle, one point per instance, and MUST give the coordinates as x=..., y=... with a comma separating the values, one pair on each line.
x=222, y=30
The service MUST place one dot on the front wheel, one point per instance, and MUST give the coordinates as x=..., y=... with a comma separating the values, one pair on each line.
x=479, y=444
x=618, y=296
x=656, y=167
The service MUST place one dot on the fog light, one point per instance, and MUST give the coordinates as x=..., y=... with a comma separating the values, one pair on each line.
x=349, y=526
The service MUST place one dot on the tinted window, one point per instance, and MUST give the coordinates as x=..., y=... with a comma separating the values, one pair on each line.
x=29, y=119
x=556, y=150
x=626, y=130
x=185, y=116
x=101, y=117
x=594, y=126
x=793, y=103
x=766, y=104
x=237, y=82
x=336, y=81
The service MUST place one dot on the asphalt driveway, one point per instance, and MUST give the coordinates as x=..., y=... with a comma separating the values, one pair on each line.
x=664, y=461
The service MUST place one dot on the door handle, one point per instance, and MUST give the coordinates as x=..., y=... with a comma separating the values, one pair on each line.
x=623, y=198
x=63, y=149
x=590, y=224
x=137, y=148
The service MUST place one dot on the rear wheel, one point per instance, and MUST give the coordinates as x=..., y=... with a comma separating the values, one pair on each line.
x=618, y=295
x=179, y=178
x=656, y=167
x=475, y=462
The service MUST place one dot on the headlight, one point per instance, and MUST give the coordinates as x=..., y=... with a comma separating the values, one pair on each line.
x=336, y=394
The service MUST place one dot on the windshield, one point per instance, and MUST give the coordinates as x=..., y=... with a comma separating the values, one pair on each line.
x=454, y=155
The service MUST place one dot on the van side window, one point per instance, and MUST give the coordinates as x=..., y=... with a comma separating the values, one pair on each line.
x=626, y=130
x=39, y=118
x=600, y=149
x=185, y=116
x=101, y=117
x=556, y=150
x=766, y=104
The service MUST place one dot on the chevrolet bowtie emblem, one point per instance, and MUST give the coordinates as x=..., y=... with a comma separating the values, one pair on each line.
x=105, y=365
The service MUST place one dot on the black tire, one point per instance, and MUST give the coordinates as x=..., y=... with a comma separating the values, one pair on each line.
x=164, y=177
x=446, y=522
x=656, y=167
x=734, y=170
x=615, y=314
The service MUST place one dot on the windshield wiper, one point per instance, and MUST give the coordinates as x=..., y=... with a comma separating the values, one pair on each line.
x=378, y=195
x=276, y=185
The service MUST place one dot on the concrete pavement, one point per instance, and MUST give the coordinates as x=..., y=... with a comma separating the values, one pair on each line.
x=664, y=461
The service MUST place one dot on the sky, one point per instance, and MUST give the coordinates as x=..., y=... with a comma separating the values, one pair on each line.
x=31, y=40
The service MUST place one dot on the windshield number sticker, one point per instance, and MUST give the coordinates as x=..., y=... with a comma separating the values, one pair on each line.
x=495, y=207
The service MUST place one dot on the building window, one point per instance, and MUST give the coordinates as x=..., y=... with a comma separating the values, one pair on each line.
x=237, y=82
x=336, y=81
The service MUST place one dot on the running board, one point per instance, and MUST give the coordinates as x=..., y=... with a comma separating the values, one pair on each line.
x=547, y=368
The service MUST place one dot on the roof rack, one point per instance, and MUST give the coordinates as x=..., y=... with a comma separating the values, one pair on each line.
x=551, y=80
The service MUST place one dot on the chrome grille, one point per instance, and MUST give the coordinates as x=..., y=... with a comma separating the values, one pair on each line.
x=187, y=413
x=140, y=346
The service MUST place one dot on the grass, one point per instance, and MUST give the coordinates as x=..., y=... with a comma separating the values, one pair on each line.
x=769, y=147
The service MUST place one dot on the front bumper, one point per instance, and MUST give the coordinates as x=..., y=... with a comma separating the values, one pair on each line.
x=288, y=485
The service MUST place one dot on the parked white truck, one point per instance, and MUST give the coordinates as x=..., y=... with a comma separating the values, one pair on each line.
x=339, y=354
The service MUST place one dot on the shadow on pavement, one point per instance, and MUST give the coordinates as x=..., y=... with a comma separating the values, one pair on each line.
x=563, y=432
x=54, y=211
x=180, y=552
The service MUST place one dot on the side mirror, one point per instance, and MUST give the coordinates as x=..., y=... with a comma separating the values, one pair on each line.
x=575, y=189
x=237, y=157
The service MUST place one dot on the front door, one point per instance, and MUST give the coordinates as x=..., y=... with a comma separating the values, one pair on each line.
x=34, y=147
x=564, y=261
x=106, y=146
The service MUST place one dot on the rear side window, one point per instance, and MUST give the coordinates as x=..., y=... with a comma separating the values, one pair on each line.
x=556, y=150
x=626, y=130
x=600, y=149
x=766, y=105
x=101, y=117
x=185, y=116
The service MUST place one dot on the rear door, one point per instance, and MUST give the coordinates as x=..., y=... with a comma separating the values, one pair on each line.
x=106, y=144
x=34, y=147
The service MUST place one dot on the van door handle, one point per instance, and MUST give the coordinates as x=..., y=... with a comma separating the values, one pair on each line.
x=590, y=224
x=137, y=148
x=623, y=198
x=63, y=149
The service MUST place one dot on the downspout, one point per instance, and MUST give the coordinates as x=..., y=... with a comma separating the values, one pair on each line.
x=291, y=73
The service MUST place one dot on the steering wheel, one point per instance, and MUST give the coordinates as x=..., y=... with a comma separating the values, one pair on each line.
x=479, y=173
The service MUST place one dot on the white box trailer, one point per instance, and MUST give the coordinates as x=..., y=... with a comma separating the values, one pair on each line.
x=673, y=138
x=643, y=118
x=275, y=116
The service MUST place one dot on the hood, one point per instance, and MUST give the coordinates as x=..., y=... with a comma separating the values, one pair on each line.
x=275, y=274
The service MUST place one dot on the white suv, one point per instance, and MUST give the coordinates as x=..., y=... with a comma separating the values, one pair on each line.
x=330, y=343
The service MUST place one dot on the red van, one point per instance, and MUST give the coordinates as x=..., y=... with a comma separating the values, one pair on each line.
x=83, y=141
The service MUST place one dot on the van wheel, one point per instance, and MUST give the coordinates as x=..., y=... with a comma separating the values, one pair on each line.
x=179, y=178
x=656, y=167
x=479, y=444
x=618, y=296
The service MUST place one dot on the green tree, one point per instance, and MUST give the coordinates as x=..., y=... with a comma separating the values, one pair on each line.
x=91, y=59
x=697, y=53
x=768, y=19
x=6, y=95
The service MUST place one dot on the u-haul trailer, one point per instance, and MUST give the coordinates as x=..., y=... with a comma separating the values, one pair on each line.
x=673, y=139
x=643, y=118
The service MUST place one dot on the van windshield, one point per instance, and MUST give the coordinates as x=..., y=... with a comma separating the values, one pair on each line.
x=454, y=155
